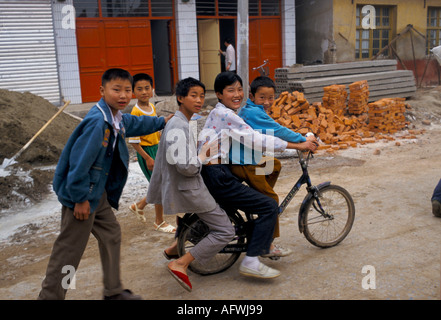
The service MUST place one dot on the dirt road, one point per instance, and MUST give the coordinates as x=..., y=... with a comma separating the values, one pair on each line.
x=394, y=233
x=392, y=251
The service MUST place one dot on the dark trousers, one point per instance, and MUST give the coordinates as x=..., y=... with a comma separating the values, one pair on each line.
x=71, y=243
x=437, y=192
x=262, y=183
x=231, y=194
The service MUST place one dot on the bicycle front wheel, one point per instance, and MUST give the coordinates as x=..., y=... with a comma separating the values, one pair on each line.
x=327, y=224
x=193, y=233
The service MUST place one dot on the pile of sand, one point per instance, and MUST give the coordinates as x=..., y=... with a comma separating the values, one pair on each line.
x=426, y=105
x=22, y=116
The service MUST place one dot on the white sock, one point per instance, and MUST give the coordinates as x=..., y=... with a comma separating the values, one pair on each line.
x=251, y=262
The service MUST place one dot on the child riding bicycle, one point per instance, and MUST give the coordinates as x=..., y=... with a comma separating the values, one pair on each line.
x=176, y=183
x=262, y=95
x=226, y=189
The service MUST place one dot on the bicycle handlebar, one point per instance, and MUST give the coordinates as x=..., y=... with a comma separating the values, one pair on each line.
x=305, y=156
x=261, y=66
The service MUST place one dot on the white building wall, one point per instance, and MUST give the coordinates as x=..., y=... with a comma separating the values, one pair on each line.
x=288, y=32
x=187, y=39
x=66, y=49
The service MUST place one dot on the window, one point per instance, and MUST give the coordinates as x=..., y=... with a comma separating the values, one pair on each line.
x=433, y=28
x=86, y=8
x=123, y=8
x=269, y=7
x=224, y=8
x=253, y=6
x=227, y=7
x=161, y=8
x=369, y=41
x=205, y=8
x=263, y=7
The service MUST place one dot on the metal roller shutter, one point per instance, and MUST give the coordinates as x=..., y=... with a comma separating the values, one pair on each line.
x=27, y=48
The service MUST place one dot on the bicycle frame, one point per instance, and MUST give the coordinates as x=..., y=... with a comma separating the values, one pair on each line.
x=304, y=179
x=312, y=190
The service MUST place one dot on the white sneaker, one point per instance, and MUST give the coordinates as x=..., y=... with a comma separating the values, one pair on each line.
x=263, y=272
x=277, y=251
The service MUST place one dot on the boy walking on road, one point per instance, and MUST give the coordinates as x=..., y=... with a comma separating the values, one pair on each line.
x=89, y=180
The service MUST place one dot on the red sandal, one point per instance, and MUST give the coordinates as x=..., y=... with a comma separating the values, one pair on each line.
x=181, y=278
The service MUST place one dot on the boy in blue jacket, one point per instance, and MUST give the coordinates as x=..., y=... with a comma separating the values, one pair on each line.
x=262, y=95
x=89, y=179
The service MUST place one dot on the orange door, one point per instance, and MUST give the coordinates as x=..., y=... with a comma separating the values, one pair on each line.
x=111, y=43
x=265, y=43
x=91, y=56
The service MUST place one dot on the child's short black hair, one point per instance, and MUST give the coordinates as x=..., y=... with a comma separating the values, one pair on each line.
x=261, y=82
x=224, y=79
x=116, y=73
x=183, y=87
x=142, y=76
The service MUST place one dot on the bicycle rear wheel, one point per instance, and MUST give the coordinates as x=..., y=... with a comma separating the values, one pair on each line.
x=329, y=227
x=193, y=232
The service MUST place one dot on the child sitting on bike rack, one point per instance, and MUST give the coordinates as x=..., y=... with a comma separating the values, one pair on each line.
x=262, y=95
x=225, y=125
x=176, y=183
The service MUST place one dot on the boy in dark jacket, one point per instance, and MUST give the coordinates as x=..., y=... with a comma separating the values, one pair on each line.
x=89, y=180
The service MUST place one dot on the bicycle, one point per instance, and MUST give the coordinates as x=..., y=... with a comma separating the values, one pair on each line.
x=325, y=218
x=263, y=68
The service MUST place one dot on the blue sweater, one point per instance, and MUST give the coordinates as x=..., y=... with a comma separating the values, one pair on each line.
x=89, y=165
x=256, y=117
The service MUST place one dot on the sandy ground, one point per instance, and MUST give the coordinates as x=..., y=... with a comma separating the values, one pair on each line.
x=394, y=233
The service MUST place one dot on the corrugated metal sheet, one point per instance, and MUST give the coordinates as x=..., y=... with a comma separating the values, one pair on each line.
x=27, y=49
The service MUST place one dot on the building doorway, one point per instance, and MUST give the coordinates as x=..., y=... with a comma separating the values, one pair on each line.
x=265, y=30
x=163, y=56
x=227, y=29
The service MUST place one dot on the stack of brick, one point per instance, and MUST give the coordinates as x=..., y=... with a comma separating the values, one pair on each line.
x=387, y=115
x=358, y=97
x=336, y=130
x=293, y=111
x=335, y=97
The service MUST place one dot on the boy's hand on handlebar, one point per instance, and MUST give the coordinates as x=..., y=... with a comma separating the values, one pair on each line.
x=304, y=146
x=308, y=145
x=313, y=139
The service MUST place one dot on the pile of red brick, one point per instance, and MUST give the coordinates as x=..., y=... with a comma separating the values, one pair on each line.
x=334, y=97
x=358, y=97
x=338, y=123
x=387, y=115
